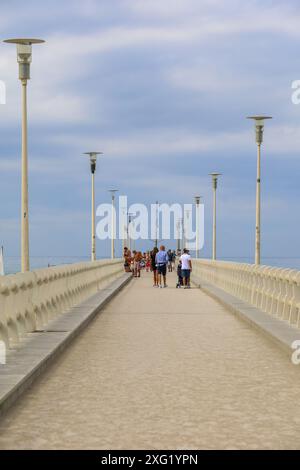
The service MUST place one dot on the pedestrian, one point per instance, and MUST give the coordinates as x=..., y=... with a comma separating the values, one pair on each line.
x=136, y=263
x=173, y=260
x=153, y=266
x=161, y=260
x=170, y=257
x=127, y=259
x=148, y=262
x=179, y=276
x=186, y=268
x=139, y=260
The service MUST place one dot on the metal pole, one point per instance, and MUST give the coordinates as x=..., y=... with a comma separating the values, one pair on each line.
x=197, y=199
x=112, y=226
x=24, y=57
x=125, y=240
x=24, y=200
x=259, y=130
x=157, y=223
x=183, y=234
x=258, y=198
x=93, y=163
x=93, y=256
x=129, y=231
x=197, y=232
x=214, y=256
x=214, y=241
x=133, y=240
x=178, y=235
x=113, y=220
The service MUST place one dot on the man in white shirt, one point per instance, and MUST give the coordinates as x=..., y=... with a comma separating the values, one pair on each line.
x=186, y=268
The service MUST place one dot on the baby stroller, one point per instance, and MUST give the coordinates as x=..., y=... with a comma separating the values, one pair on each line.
x=179, y=276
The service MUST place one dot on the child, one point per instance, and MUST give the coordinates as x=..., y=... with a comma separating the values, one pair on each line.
x=148, y=262
x=180, y=279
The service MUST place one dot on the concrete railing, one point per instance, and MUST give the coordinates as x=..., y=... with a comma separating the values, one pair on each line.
x=275, y=291
x=29, y=301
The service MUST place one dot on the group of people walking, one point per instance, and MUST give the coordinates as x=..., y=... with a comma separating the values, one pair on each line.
x=159, y=261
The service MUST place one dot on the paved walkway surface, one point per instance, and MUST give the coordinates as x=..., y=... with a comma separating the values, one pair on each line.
x=162, y=369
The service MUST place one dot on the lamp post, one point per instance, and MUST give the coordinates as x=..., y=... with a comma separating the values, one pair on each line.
x=214, y=185
x=186, y=226
x=157, y=224
x=93, y=161
x=113, y=192
x=124, y=229
x=197, y=201
x=155, y=232
x=182, y=233
x=130, y=217
x=259, y=131
x=178, y=225
x=24, y=58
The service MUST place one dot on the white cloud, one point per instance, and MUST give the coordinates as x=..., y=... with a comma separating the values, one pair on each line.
x=213, y=17
x=156, y=142
x=279, y=140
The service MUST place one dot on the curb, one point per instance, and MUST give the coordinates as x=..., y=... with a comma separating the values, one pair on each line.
x=40, y=349
x=278, y=331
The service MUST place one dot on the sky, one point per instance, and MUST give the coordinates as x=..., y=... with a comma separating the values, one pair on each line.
x=163, y=88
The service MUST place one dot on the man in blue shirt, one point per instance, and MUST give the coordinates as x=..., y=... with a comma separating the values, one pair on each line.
x=161, y=261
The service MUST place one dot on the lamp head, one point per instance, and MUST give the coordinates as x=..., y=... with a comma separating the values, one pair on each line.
x=130, y=217
x=259, y=122
x=215, y=175
x=24, y=54
x=259, y=119
x=215, y=179
x=113, y=192
x=93, y=159
x=197, y=200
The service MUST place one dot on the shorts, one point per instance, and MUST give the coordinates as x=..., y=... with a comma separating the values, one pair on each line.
x=162, y=269
x=186, y=273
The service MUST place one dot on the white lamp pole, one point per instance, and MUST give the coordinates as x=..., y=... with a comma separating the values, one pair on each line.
x=157, y=224
x=24, y=57
x=182, y=233
x=259, y=130
x=178, y=234
x=197, y=201
x=187, y=226
x=113, y=192
x=130, y=216
x=93, y=161
x=124, y=240
x=215, y=185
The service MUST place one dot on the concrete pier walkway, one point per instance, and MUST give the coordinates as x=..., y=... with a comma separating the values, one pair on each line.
x=162, y=369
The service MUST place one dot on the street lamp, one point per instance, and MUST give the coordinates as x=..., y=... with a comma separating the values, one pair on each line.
x=186, y=216
x=156, y=232
x=124, y=229
x=259, y=130
x=93, y=161
x=182, y=233
x=157, y=224
x=130, y=220
x=197, y=201
x=178, y=226
x=214, y=185
x=24, y=58
x=113, y=191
